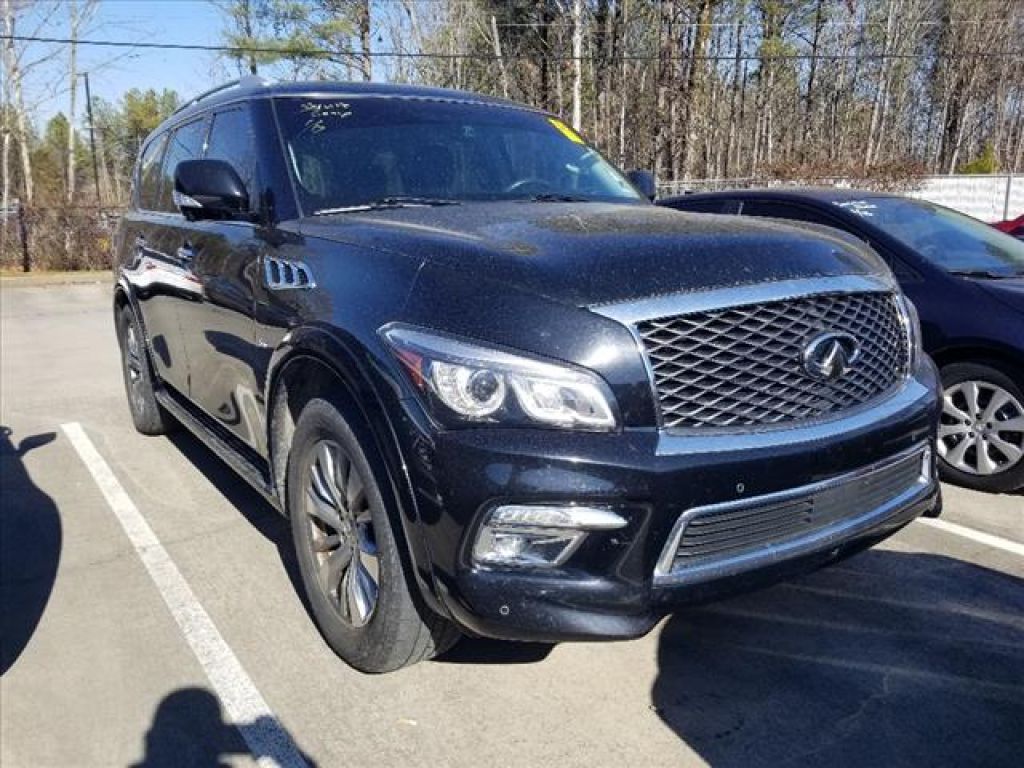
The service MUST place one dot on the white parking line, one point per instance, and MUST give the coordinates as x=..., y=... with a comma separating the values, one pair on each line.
x=266, y=738
x=998, y=542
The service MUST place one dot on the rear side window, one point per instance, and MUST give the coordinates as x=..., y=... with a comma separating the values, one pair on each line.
x=784, y=211
x=186, y=143
x=232, y=140
x=706, y=205
x=147, y=189
x=794, y=212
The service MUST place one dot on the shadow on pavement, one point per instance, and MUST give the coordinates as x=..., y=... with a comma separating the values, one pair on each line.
x=30, y=547
x=480, y=650
x=887, y=659
x=263, y=517
x=188, y=731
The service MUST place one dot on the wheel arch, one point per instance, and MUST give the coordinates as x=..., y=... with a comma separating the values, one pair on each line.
x=122, y=298
x=315, y=362
x=1010, y=361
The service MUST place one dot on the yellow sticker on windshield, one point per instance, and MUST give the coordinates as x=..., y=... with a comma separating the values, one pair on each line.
x=566, y=131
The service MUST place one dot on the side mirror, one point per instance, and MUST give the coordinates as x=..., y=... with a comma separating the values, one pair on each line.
x=209, y=189
x=644, y=183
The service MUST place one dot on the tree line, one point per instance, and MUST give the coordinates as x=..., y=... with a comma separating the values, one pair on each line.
x=696, y=89
x=693, y=89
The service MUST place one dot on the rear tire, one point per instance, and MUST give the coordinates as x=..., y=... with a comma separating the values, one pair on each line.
x=348, y=556
x=981, y=430
x=147, y=415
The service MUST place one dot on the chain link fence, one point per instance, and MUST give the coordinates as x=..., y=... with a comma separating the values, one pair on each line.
x=56, y=238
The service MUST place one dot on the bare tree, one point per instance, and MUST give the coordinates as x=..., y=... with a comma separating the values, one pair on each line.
x=365, y=41
x=16, y=64
x=74, y=20
x=577, y=64
x=7, y=115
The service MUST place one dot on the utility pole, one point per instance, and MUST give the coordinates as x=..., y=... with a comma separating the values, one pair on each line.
x=92, y=139
x=69, y=189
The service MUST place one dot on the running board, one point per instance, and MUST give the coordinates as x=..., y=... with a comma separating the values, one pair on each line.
x=221, y=447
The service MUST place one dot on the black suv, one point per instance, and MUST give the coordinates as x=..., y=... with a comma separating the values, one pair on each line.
x=495, y=389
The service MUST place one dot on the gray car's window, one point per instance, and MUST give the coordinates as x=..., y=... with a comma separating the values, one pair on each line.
x=781, y=210
x=186, y=143
x=949, y=240
x=708, y=205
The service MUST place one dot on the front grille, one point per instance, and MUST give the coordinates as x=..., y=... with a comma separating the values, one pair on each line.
x=733, y=530
x=743, y=366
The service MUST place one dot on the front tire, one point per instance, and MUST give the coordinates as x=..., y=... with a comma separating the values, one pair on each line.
x=981, y=430
x=348, y=555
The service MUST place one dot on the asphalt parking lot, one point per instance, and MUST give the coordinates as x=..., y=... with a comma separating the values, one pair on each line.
x=909, y=654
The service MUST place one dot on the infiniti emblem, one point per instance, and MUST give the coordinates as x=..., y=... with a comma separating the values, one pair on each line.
x=830, y=356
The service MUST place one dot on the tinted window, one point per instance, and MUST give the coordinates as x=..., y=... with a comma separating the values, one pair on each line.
x=186, y=144
x=948, y=239
x=347, y=154
x=232, y=140
x=705, y=205
x=148, y=183
x=785, y=211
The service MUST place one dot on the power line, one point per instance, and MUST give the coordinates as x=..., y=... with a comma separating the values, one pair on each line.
x=568, y=24
x=324, y=53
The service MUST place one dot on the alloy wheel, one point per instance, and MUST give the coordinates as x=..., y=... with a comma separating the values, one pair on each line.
x=981, y=431
x=133, y=364
x=341, y=534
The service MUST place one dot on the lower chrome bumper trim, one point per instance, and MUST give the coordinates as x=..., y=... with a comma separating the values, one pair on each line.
x=669, y=573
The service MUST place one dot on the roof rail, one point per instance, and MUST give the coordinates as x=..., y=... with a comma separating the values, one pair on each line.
x=249, y=81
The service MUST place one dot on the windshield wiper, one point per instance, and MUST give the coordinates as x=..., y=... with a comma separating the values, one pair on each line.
x=556, y=197
x=394, y=201
x=984, y=273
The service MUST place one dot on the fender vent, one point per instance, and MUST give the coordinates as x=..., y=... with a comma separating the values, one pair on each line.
x=284, y=275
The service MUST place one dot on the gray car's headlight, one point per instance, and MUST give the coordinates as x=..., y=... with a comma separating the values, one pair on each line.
x=476, y=383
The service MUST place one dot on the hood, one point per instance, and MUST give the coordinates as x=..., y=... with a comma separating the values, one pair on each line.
x=1010, y=291
x=595, y=253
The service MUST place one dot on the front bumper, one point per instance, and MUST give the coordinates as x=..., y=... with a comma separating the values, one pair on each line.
x=616, y=585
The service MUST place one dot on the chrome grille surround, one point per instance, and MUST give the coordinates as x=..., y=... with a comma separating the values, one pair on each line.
x=733, y=537
x=742, y=365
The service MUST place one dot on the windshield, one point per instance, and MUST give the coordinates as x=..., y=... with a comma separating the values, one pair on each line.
x=367, y=152
x=948, y=239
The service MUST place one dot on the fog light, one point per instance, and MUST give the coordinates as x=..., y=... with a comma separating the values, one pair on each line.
x=538, y=536
x=926, y=464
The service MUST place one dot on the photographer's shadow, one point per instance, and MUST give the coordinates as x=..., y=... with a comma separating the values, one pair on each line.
x=31, y=539
x=888, y=659
x=188, y=731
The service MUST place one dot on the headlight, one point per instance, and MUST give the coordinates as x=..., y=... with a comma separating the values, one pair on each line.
x=474, y=383
x=912, y=322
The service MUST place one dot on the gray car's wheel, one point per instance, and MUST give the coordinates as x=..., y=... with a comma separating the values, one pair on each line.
x=348, y=555
x=147, y=415
x=981, y=430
